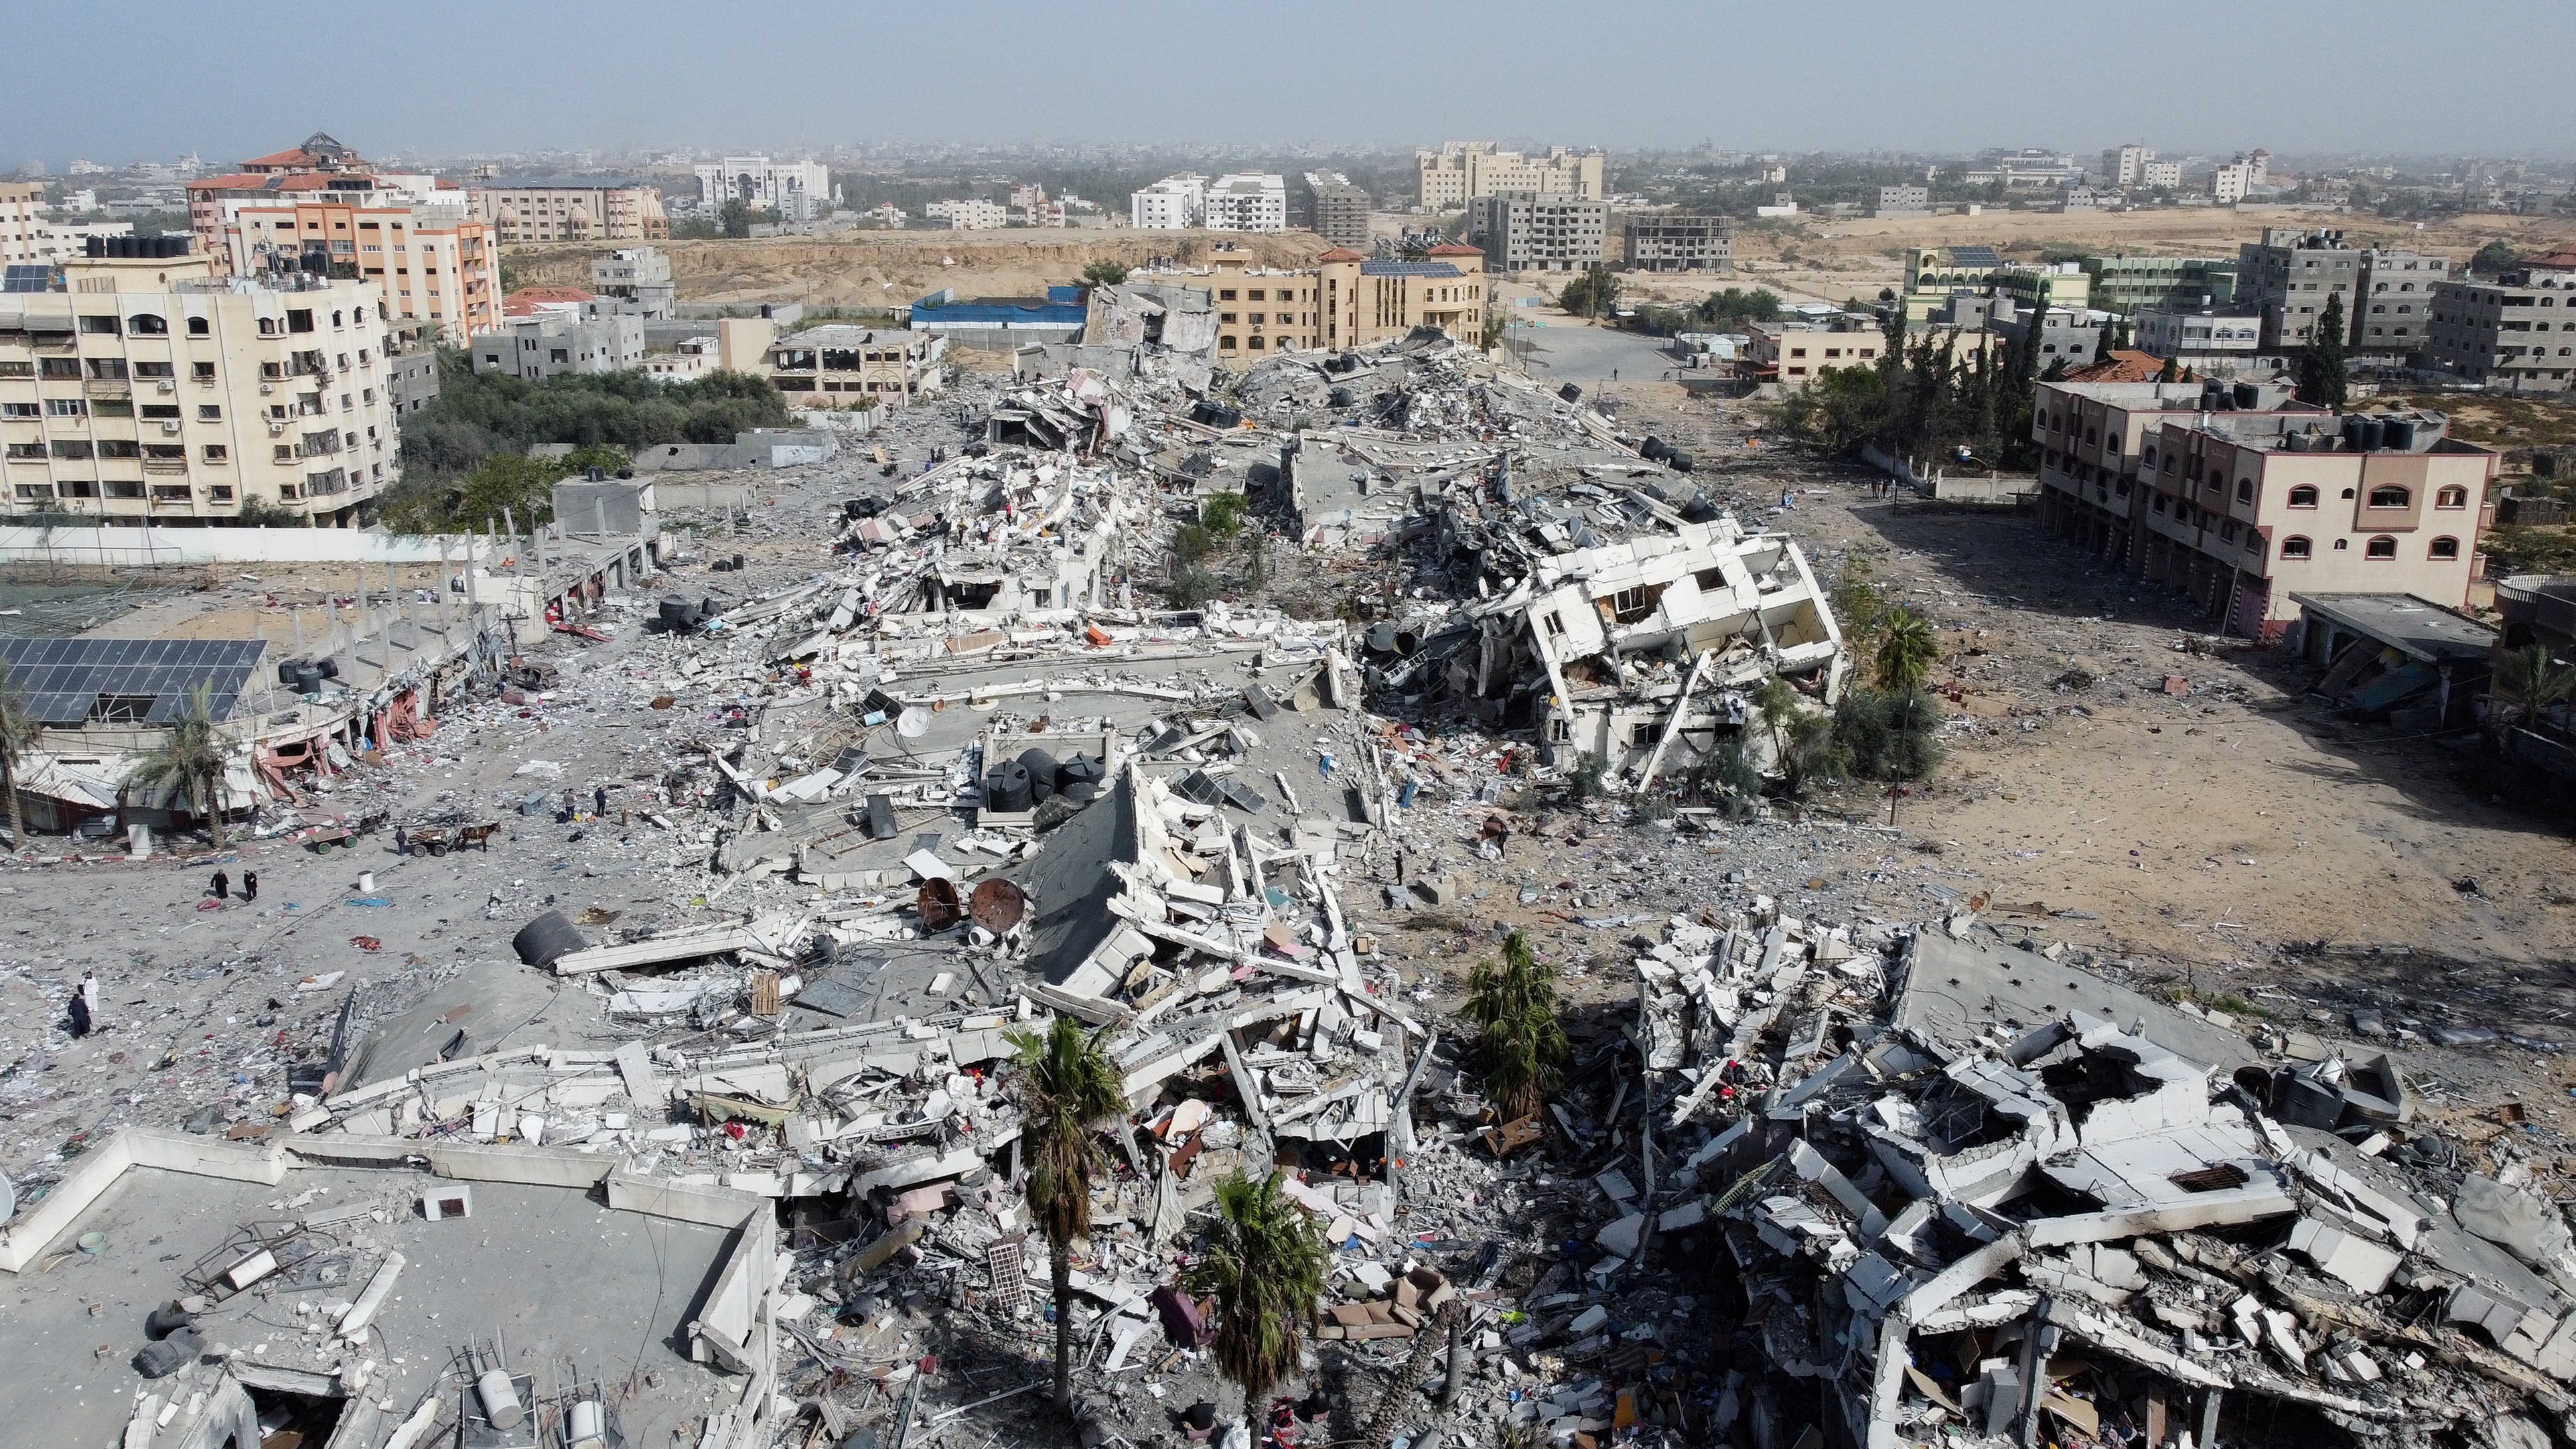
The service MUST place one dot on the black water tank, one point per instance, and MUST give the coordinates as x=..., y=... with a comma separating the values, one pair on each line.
x=1570, y=393
x=2401, y=435
x=2374, y=434
x=678, y=612
x=330, y=668
x=1042, y=774
x=2247, y=395
x=1077, y=769
x=862, y=507
x=1006, y=789
x=1342, y=397
x=308, y=680
x=1679, y=462
x=2352, y=431
x=286, y=670
x=1699, y=510
x=1654, y=449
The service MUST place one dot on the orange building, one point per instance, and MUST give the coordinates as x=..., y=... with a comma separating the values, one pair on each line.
x=319, y=209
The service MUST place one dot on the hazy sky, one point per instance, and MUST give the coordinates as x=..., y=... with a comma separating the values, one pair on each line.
x=151, y=80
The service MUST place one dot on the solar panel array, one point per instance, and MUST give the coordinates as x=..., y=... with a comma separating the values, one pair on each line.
x=64, y=679
x=1975, y=257
x=24, y=277
x=1375, y=268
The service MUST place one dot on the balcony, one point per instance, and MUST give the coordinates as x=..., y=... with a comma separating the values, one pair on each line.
x=165, y=465
x=106, y=387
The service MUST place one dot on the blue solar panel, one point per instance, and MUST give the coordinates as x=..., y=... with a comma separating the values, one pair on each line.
x=64, y=679
x=24, y=277
x=1975, y=257
x=1410, y=269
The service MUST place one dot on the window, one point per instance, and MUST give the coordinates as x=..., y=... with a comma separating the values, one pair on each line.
x=2454, y=496
x=300, y=320
x=1225, y=343
x=1797, y=352
x=152, y=371
x=2217, y=480
x=20, y=410
x=98, y=326
x=144, y=324
x=199, y=327
x=209, y=413
x=161, y=412
x=2296, y=547
x=2389, y=495
x=2303, y=496
x=1226, y=295
x=2444, y=548
x=65, y=407
x=71, y=447
x=217, y=453
x=116, y=448
x=2381, y=547
x=202, y=371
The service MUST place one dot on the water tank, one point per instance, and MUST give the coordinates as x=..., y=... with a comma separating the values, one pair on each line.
x=1077, y=771
x=2374, y=434
x=1041, y=768
x=2294, y=442
x=308, y=680
x=1654, y=449
x=1699, y=509
x=1679, y=461
x=1006, y=789
x=330, y=668
x=678, y=612
x=2247, y=396
x=2400, y=434
x=2352, y=431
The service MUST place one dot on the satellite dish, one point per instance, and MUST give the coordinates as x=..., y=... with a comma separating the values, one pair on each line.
x=913, y=723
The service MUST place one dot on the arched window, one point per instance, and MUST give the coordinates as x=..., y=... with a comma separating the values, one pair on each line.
x=199, y=327
x=2388, y=495
x=2445, y=548
x=2454, y=496
x=2296, y=547
x=2149, y=456
x=144, y=324
x=2244, y=490
x=2303, y=496
x=2217, y=480
x=2380, y=547
x=2092, y=435
x=336, y=319
x=267, y=326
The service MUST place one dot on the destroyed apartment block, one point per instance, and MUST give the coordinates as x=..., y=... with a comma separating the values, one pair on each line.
x=1645, y=652
x=1969, y=1195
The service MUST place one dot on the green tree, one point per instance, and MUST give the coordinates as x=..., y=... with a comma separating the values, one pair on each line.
x=1513, y=1005
x=2323, y=379
x=1105, y=273
x=1223, y=513
x=189, y=761
x=1265, y=1265
x=2494, y=258
x=1594, y=294
x=19, y=731
x=2102, y=343
x=1068, y=1093
x=2526, y=682
x=1839, y=411
x=735, y=218
x=1906, y=650
x=2170, y=372
x=1885, y=734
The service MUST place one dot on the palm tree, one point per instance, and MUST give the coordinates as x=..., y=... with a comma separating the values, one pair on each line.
x=1265, y=1265
x=1514, y=1008
x=2526, y=682
x=1906, y=651
x=189, y=761
x=1441, y=1327
x=1066, y=1089
x=18, y=732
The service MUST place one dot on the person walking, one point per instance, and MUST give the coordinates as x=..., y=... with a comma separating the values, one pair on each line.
x=599, y=800
x=80, y=1016
x=250, y=885
x=402, y=841
x=92, y=996
x=222, y=887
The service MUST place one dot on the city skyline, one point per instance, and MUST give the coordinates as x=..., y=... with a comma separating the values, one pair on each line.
x=1984, y=75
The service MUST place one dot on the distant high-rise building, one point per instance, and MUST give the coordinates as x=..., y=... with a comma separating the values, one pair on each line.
x=1337, y=210
x=1248, y=201
x=1461, y=171
x=793, y=190
x=1175, y=203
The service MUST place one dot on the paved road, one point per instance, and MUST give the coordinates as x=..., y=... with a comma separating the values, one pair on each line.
x=1568, y=351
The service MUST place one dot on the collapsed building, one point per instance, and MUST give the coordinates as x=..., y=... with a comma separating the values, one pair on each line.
x=1967, y=1194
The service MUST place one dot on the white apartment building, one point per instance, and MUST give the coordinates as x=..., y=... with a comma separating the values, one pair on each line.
x=795, y=190
x=153, y=390
x=1248, y=201
x=969, y=214
x=1175, y=203
x=2125, y=166
x=30, y=237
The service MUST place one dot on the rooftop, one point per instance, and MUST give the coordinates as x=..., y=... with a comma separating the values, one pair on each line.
x=2416, y=628
x=1409, y=269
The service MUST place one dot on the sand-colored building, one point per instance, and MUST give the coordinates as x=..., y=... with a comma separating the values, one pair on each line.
x=1379, y=299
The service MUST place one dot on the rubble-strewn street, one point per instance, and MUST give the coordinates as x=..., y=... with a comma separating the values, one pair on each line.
x=2072, y=1107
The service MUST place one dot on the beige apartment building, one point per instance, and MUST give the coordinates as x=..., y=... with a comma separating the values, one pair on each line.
x=574, y=211
x=1368, y=300
x=152, y=390
x=837, y=364
x=1794, y=354
x=1261, y=310
x=2239, y=496
x=1461, y=171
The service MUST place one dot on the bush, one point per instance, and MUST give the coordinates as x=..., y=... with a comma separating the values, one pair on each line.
x=1888, y=735
x=1190, y=543
x=1223, y=513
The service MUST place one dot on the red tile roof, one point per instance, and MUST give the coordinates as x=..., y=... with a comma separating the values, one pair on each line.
x=525, y=301
x=2126, y=365
x=1453, y=249
x=1341, y=254
x=2560, y=260
x=295, y=156
x=238, y=181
